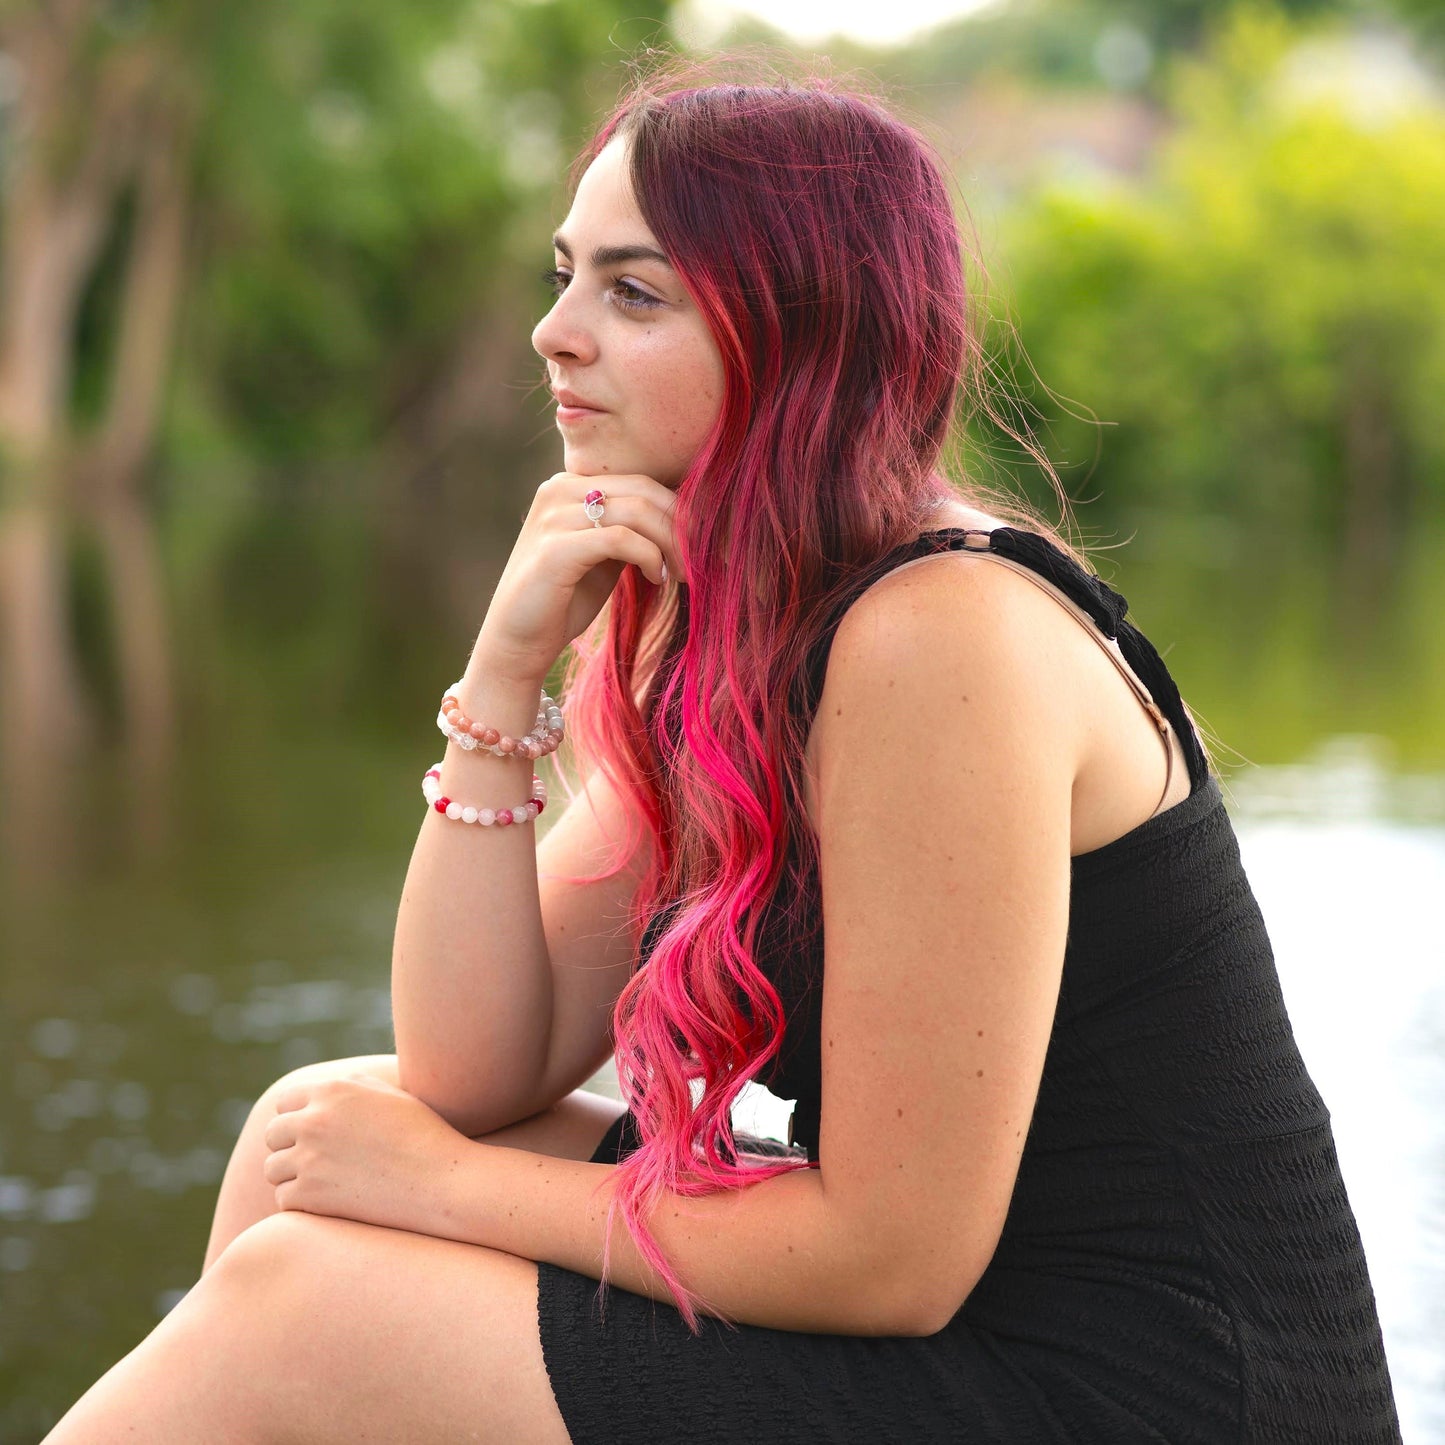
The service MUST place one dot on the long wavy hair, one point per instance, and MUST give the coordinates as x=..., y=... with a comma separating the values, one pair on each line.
x=812, y=226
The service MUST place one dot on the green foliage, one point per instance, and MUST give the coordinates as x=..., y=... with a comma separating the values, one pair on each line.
x=1252, y=311
x=367, y=181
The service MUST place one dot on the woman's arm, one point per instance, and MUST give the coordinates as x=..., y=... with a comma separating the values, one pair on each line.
x=945, y=905
x=945, y=885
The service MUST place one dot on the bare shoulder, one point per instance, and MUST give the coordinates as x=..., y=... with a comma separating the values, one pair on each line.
x=951, y=631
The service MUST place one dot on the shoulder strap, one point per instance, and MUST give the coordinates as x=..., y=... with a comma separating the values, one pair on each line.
x=1100, y=609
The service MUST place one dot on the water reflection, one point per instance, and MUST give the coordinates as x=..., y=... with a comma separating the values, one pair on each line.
x=1352, y=902
x=129, y=1079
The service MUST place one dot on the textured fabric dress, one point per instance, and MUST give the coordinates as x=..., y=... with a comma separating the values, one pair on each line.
x=1179, y=1263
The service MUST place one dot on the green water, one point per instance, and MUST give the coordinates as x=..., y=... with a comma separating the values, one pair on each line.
x=145, y=1001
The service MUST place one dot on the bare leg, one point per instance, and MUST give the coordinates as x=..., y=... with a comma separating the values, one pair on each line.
x=569, y=1130
x=299, y=1323
x=312, y=1329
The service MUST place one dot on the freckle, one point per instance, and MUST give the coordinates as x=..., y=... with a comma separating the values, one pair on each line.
x=980, y=1033
x=790, y=1249
x=980, y=1074
x=900, y=1113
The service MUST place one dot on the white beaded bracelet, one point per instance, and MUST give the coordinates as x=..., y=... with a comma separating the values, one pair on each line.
x=431, y=787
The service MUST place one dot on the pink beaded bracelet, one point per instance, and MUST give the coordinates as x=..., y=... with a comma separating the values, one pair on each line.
x=431, y=787
x=544, y=738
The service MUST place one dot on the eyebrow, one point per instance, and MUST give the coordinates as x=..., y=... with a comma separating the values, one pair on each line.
x=612, y=255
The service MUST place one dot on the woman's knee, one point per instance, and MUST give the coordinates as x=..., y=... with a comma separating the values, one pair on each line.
x=381, y=1066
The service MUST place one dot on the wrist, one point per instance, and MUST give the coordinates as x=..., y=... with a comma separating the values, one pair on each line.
x=474, y=734
x=489, y=666
x=459, y=1193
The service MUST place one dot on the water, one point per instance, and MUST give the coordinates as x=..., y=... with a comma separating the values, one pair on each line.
x=139, y=1025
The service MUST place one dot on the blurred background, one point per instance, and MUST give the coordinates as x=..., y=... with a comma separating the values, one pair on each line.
x=270, y=421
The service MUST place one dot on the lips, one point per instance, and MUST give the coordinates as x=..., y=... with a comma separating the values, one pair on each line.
x=570, y=398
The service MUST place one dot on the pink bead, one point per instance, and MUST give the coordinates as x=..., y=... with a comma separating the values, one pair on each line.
x=593, y=496
x=476, y=730
x=454, y=716
x=490, y=736
x=433, y=773
x=507, y=745
x=504, y=816
x=541, y=803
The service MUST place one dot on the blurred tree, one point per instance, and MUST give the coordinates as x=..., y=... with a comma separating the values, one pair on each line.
x=327, y=199
x=1263, y=315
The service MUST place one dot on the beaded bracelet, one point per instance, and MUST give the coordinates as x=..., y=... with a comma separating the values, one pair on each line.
x=545, y=737
x=431, y=787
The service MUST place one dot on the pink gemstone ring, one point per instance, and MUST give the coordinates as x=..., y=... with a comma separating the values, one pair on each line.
x=592, y=505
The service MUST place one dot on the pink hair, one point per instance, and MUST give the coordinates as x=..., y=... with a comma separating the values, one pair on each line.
x=814, y=231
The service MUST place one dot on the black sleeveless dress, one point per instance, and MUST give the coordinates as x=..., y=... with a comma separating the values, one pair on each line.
x=1179, y=1262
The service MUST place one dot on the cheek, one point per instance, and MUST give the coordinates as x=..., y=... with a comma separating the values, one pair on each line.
x=688, y=390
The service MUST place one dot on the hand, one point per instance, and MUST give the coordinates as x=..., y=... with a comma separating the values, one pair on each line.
x=563, y=569
x=360, y=1148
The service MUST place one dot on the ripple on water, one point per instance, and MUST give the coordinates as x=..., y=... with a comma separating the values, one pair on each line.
x=130, y=1101
x=55, y=1038
x=68, y=1201
x=15, y=1196
x=16, y=1253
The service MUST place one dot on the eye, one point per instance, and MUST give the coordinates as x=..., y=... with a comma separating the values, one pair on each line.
x=637, y=300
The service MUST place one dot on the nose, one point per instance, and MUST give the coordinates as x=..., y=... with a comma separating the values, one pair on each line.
x=562, y=335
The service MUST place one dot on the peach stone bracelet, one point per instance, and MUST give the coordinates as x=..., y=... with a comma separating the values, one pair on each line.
x=544, y=738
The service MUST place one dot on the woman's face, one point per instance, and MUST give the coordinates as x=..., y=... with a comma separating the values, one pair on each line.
x=624, y=336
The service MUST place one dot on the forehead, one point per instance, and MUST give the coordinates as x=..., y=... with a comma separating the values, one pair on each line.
x=605, y=199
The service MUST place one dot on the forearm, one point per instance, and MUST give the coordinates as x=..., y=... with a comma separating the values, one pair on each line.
x=775, y=1253
x=471, y=983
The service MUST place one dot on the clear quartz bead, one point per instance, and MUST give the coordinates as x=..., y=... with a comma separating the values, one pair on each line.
x=486, y=816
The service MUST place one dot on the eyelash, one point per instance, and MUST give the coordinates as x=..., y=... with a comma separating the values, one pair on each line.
x=557, y=280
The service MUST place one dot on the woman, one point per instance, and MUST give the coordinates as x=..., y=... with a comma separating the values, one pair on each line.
x=923, y=837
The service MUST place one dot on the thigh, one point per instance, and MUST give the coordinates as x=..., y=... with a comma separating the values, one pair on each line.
x=571, y=1128
x=353, y=1332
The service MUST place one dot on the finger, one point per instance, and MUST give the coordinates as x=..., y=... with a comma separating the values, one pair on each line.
x=613, y=543
x=634, y=501
x=293, y=1096
x=280, y=1166
x=280, y=1131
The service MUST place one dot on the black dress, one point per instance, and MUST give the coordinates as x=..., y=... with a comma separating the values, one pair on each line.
x=1179, y=1262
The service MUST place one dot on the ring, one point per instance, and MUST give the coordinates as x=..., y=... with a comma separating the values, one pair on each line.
x=592, y=504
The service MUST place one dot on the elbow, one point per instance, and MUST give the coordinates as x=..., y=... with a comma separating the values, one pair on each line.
x=458, y=1102
x=916, y=1296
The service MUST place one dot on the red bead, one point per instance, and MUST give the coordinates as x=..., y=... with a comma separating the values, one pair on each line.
x=593, y=496
x=541, y=803
x=442, y=804
x=504, y=816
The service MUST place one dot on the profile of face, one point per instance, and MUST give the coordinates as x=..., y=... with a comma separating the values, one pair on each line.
x=625, y=338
